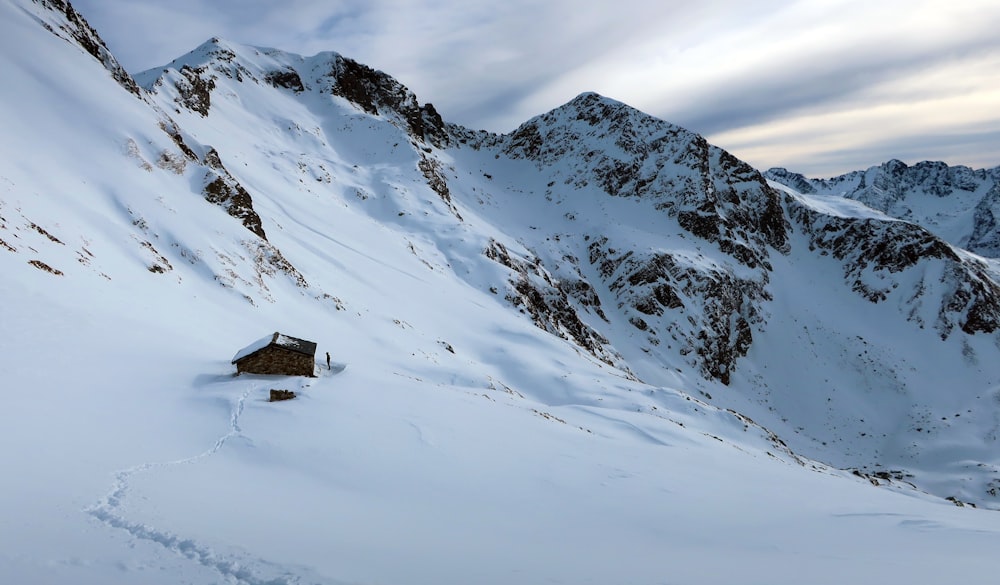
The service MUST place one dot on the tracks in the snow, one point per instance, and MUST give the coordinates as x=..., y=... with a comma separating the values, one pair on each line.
x=234, y=569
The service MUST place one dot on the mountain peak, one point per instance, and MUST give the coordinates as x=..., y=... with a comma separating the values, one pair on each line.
x=596, y=109
x=590, y=98
x=214, y=52
x=591, y=120
x=194, y=76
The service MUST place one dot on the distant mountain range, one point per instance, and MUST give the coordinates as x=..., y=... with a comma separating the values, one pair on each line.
x=957, y=203
x=851, y=322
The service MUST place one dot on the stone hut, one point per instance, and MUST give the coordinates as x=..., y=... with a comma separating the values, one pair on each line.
x=279, y=354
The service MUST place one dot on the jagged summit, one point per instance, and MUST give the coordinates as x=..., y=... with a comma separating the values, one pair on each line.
x=591, y=106
x=195, y=75
x=234, y=60
x=588, y=119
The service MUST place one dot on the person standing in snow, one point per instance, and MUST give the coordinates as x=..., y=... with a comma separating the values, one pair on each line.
x=328, y=361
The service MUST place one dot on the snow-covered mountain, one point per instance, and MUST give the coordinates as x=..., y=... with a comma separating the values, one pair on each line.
x=957, y=203
x=594, y=349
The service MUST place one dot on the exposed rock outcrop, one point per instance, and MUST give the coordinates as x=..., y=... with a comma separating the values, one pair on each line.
x=225, y=191
x=375, y=92
x=533, y=290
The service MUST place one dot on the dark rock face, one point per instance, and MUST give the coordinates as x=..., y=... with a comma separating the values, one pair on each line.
x=170, y=128
x=220, y=187
x=707, y=311
x=973, y=303
x=287, y=78
x=863, y=242
x=535, y=292
x=431, y=169
x=225, y=191
x=375, y=92
x=231, y=196
x=195, y=83
x=195, y=89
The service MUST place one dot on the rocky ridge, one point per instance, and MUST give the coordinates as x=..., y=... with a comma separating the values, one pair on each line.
x=874, y=252
x=955, y=202
x=62, y=20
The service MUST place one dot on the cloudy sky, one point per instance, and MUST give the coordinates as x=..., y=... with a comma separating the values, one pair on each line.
x=817, y=86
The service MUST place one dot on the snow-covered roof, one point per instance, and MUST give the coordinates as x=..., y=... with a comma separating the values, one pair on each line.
x=295, y=344
x=280, y=340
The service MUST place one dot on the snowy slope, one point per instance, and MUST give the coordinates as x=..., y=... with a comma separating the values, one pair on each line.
x=495, y=412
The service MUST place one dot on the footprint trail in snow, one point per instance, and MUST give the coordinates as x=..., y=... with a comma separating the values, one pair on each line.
x=243, y=570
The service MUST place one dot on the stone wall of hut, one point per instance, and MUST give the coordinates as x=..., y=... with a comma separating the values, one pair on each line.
x=276, y=360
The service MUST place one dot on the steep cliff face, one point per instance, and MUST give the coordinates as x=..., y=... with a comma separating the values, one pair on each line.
x=554, y=305
x=375, y=92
